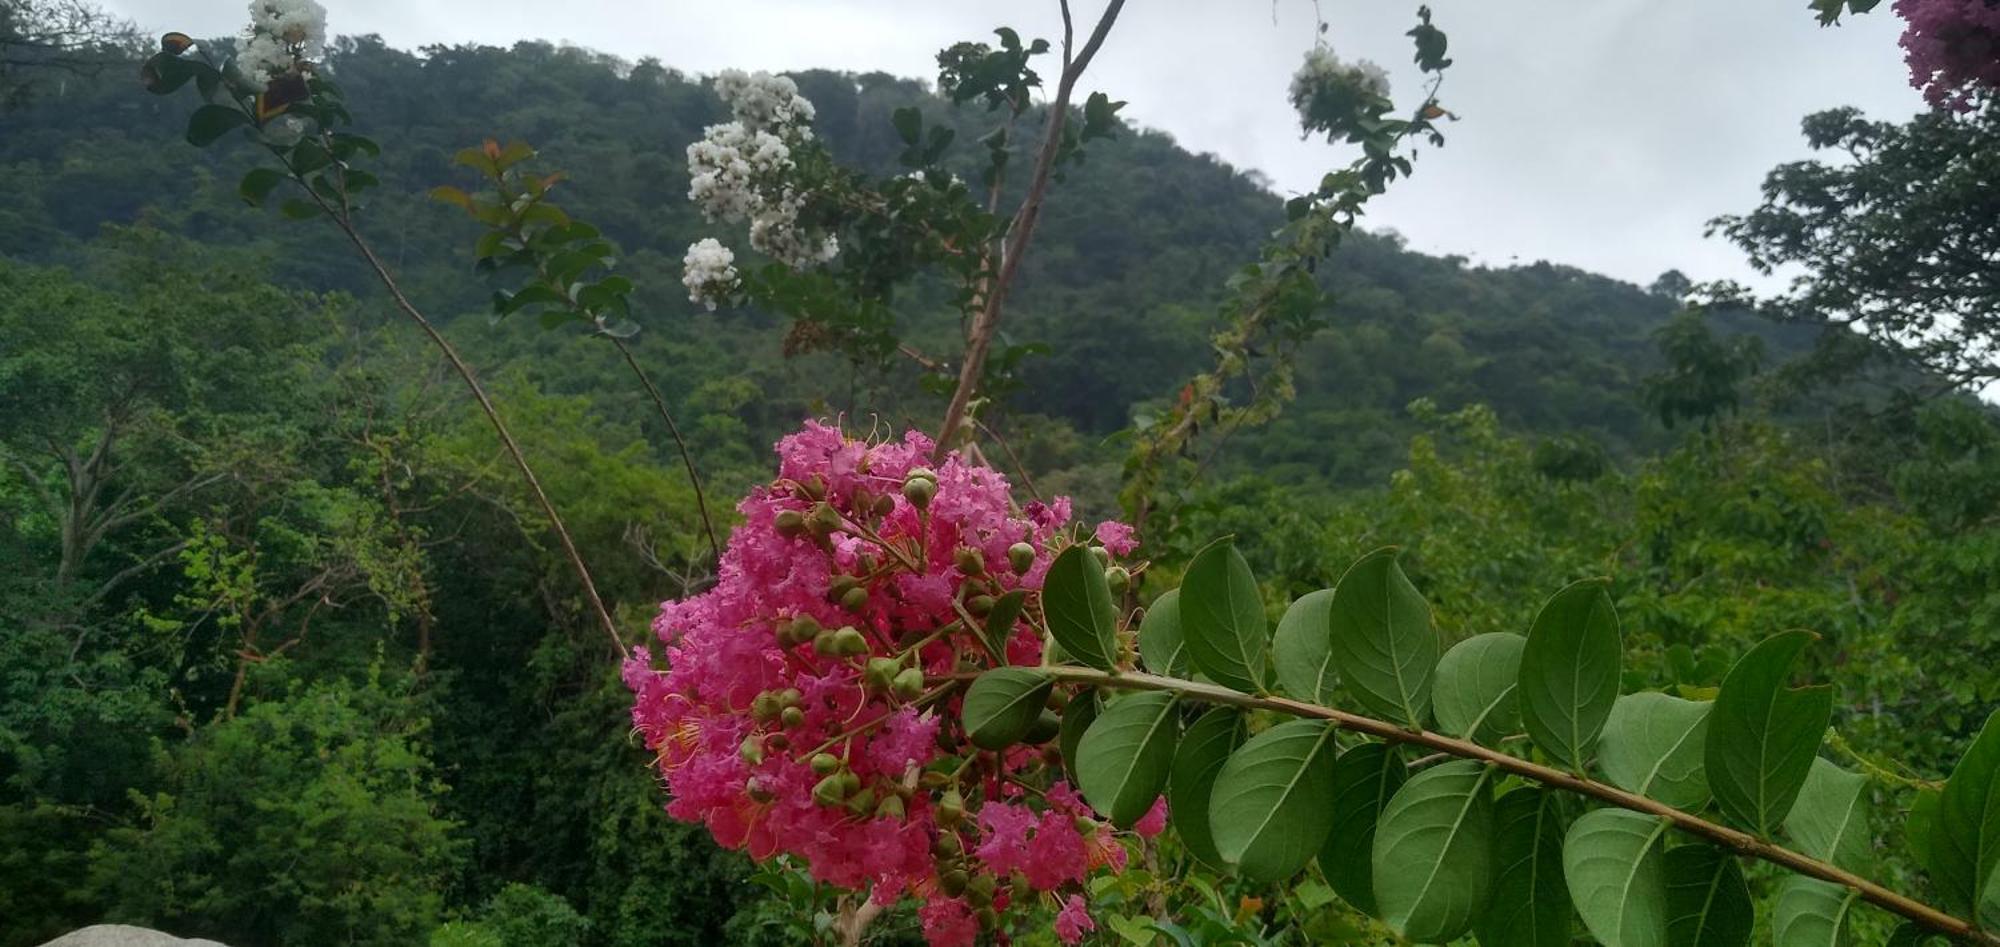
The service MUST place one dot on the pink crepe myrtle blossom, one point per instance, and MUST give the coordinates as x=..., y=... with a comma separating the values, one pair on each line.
x=807, y=705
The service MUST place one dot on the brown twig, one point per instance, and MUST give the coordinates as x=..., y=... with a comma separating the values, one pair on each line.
x=987, y=321
x=687, y=458
x=1742, y=843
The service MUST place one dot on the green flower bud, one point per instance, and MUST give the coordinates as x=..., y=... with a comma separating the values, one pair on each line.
x=1118, y=579
x=921, y=473
x=1085, y=825
x=848, y=642
x=823, y=520
x=824, y=764
x=855, y=599
x=777, y=741
x=969, y=561
x=1103, y=556
x=764, y=707
x=849, y=783
x=752, y=751
x=919, y=492
x=988, y=918
x=790, y=523
x=866, y=563
x=908, y=684
x=814, y=488
x=891, y=807
x=948, y=846
x=824, y=642
x=979, y=605
x=790, y=697
x=830, y=791
x=885, y=505
x=861, y=802
x=950, y=808
x=953, y=882
x=791, y=717
x=758, y=793
x=1021, y=556
x=880, y=674
x=980, y=890
x=1044, y=729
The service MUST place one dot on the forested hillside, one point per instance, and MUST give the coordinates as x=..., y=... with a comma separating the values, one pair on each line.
x=1132, y=263
x=289, y=656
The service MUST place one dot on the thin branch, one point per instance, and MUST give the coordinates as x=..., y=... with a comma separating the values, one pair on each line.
x=988, y=319
x=458, y=364
x=1742, y=843
x=687, y=459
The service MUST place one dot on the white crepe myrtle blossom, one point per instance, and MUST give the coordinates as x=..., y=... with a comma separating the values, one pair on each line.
x=1327, y=90
x=740, y=172
x=764, y=102
x=709, y=272
x=282, y=35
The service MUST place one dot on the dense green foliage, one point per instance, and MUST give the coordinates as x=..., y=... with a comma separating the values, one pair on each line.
x=288, y=657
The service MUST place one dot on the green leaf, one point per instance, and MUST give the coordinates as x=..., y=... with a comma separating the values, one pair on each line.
x=1965, y=840
x=1122, y=761
x=1920, y=830
x=1530, y=905
x=213, y=121
x=299, y=209
x=1382, y=641
x=1762, y=735
x=1268, y=809
x=1613, y=863
x=1708, y=903
x=1000, y=621
x=1076, y=718
x=1076, y=599
x=1569, y=671
x=1655, y=745
x=1811, y=913
x=1365, y=778
x=1433, y=852
x=1476, y=682
x=1912, y=934
x=257, y=185
x=1002, y=704
x=909, y=124
x=1830, y=820
x=1204, y=748
x=1162, y=645
x=1302, y=648
x=1222, y=616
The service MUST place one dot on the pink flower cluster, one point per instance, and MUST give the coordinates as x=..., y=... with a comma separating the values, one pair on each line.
x=1952, y=48
x=808, y=706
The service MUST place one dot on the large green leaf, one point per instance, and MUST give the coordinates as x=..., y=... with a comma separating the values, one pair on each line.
x=1122, y=761
x=1616, y=871
x=1076, y=600
x=1569, y=672
x=1708, y=903
x=1530, y=906
x=1811, y=913
x=1162, y=644
x=1763, y=735
x=1365, y=778
x=1222, y=616
x=1655, y=745
x=1076, y=720
x=210, y=122
x=1383, y=643
x=1302, y=649
x=1965, y=838
x=1204, y=748
x=1268, y=809
x=1434, y=852
x=1830, y=820
x=1476, y=684
x=999, y=627
x=1002, y=704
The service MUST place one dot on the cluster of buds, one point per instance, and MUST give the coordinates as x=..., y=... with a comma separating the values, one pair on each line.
x=809, y=703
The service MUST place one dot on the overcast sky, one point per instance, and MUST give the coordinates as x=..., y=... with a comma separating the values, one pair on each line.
x=1600, y=133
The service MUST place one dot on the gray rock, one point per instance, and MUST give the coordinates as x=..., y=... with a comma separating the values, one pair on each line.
x=120, y=935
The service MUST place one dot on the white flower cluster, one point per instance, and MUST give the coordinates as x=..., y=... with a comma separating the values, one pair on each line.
x=764, y=102
x=710, y=272
x=281, y=34
x=738, y=170
x=1323, y=69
